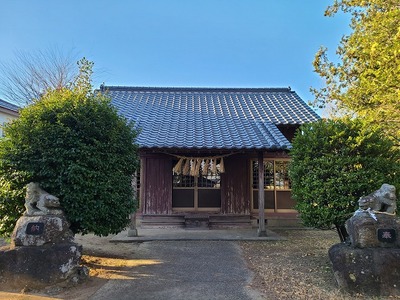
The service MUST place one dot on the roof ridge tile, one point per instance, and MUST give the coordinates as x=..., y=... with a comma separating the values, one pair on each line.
x=195, y=89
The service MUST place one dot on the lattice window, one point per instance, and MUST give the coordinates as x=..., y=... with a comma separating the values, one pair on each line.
x=183, y=181
x=198, y=191
x=211, y=180
x=276, y=174
x=208, y=180
x=282, y=175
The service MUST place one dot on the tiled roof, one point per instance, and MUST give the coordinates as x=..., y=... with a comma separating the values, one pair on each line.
x=9, y=106
x=206, y=118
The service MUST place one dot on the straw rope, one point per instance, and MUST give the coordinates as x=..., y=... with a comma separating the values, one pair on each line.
x=194, y=166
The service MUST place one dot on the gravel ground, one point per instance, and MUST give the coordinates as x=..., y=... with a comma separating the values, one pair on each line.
x=298, y=268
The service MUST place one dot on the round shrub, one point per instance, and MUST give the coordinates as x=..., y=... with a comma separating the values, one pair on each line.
x=334, y=163
x=76, y=146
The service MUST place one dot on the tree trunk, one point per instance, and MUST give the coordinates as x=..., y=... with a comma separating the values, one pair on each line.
x=342, y=232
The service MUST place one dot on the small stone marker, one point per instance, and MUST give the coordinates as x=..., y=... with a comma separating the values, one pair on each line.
x=35, y=228
x=386, y=235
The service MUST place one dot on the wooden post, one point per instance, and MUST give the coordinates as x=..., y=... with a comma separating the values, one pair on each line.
x=261, y=196
x=132, y=230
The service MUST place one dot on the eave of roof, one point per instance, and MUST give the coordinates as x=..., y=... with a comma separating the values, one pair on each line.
x=9, y=106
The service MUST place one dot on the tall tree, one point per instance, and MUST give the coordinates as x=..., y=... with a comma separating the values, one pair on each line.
x=30, y=74
x=366, y=81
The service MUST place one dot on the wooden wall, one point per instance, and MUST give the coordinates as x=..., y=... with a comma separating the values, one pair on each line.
x=235, y=186
x=156, y=184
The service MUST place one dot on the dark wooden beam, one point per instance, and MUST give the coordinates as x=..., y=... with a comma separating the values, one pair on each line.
x=261, y=196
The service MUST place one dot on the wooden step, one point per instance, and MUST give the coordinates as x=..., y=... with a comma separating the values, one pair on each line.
x=162, y=221
x=194, y=221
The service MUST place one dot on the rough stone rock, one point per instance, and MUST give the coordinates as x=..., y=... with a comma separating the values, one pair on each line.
x=363, y=229
x=374, y=271
x=55, y=230
x=39, y=266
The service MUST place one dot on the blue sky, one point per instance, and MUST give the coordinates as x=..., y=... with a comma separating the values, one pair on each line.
x=196, y=43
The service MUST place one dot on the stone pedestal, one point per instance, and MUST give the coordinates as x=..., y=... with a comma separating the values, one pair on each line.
x=365, y=231
x=370, y=263
x=41, y=230
x=40, y=266
x=374, y=271
x=42, y=253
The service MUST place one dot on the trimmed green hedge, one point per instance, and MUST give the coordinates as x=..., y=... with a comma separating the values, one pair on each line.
x=78, y=148
x=334, y=162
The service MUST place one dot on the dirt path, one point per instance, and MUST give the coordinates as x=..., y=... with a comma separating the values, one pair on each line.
x=297, y=268
x=184, y=270
x=156, y=270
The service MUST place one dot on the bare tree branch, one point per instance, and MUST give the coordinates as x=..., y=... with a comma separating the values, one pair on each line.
x=29, y=75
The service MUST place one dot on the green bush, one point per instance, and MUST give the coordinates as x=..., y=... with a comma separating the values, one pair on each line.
x=78, y=148
x=334, y=163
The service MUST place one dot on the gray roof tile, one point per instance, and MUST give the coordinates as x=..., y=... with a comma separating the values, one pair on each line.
x=206, y=118
x=9, y=106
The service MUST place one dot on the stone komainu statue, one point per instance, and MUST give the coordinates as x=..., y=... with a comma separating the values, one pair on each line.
x=40, y=202
x=382, y=200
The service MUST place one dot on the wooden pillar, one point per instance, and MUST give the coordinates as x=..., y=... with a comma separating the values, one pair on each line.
x=261, y=196
x=132, y=230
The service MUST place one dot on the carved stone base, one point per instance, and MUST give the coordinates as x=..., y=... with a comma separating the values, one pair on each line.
x=364, y=230
x=37, y=267
x=41, y=230
x=374, y=271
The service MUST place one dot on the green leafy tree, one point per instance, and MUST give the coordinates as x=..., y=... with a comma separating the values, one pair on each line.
x=334, y=163
x=73, y=142
x=366, y=80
